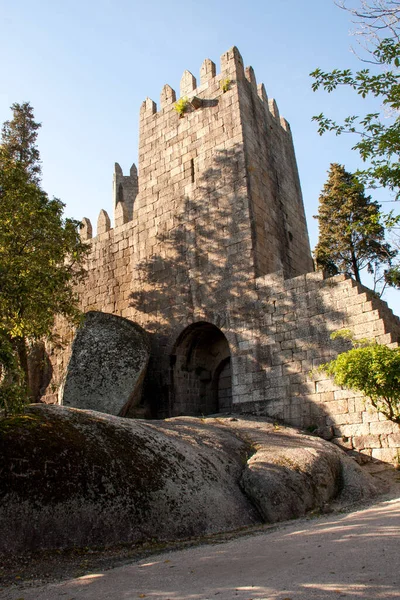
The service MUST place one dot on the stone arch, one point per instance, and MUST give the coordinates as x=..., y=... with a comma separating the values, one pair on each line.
x=200, y=371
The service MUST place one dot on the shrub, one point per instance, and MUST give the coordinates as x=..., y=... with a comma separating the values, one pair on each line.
x=225, y=84
x=372, y=369
x=181, y=105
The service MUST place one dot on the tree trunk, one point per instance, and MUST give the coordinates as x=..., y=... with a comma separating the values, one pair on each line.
x=20, y=344
x=356, y=270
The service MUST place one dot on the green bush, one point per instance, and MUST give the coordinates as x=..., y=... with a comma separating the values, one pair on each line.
x=225, y=84
x=372, y=369
x=181, y=105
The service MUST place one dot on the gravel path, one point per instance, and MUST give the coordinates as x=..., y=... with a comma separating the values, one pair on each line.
x=350, y=556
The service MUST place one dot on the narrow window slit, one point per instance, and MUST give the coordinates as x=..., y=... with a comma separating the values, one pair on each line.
x=192, y=169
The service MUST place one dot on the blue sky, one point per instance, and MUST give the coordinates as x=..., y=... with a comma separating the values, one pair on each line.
x=86, y=67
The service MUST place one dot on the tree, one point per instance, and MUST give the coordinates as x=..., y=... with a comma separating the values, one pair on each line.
x=12, y=379
x=351, y=235
x=374, y=20
x=372, y=369
x=19, y=140
x=41, y=254
x=378, y=133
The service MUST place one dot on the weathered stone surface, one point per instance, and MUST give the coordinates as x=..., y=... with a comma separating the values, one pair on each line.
x=291, y=473
x=292, y=481
x=107, y=365
x=80, y=478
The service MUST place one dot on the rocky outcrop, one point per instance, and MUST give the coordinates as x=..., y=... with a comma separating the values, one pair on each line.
x=292, y=473
x=80, y=478
x=73, y=478
x=107, y=365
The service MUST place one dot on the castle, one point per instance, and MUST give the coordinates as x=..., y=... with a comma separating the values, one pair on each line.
x=209, y=253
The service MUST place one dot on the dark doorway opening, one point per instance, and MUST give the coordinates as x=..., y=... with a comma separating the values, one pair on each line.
x=201, y=372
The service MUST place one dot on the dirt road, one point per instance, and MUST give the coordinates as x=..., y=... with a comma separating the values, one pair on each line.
x=350, y=556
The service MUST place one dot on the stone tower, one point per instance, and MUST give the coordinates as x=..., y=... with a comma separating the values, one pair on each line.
x=227, y=159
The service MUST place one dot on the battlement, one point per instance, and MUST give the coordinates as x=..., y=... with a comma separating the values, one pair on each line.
x=207, y=109
x=232, y=73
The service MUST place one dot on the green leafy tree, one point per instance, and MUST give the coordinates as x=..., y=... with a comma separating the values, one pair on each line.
x=351, y=234
x=41, y=254
x=372, y=369
x=378, y=133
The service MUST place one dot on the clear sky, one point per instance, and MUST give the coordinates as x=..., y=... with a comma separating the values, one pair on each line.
x=86, y=67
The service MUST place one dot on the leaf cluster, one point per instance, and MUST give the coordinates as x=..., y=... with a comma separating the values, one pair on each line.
x=181, y=105
x=378, y=137
x=374, y=370
x=41, y=255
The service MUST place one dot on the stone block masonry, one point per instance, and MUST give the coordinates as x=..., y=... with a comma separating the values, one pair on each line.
x=209, y=253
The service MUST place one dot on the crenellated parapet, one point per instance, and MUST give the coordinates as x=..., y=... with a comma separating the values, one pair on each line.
x=175, y=147
x=232, y=73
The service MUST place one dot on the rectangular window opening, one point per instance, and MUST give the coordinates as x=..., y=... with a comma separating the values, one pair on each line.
x=192, y=169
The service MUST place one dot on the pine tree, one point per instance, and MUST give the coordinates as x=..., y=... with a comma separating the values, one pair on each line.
x=41, y=254
x=19, y=140
x=351, y=235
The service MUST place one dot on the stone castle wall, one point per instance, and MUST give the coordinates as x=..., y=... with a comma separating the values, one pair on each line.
x=275, y=366
x=213, y=232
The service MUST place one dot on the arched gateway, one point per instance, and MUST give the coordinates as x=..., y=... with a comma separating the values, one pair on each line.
x=201, y=371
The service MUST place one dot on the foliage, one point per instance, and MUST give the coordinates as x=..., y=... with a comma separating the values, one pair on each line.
x=19, y=140
x=181, y=105
x=13, y=392
x=378, y=133
x=372, y=369
x=225, y=84
x=41, y=254
x=351, y=234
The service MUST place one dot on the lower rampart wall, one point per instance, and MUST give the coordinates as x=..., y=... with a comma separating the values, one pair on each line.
x=278, y=333
x=274, y=369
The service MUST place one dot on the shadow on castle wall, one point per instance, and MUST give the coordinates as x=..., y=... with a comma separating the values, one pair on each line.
x=278, y=330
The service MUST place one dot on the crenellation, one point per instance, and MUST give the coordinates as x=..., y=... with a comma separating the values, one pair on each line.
x=103, y=222
x=262, y=94
x=120, y=214
x=207, y=71
x=188, y=83
x=86, y=230
x=251, y=78
x=133, y=172
x=148, y=108
x=285, y=125
x=232, y=64
x=273, y=108
x=168, y=96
